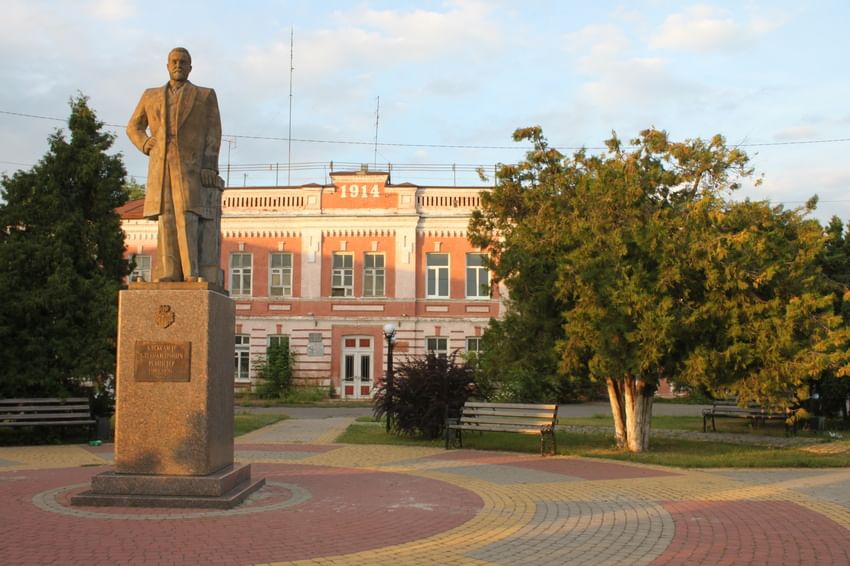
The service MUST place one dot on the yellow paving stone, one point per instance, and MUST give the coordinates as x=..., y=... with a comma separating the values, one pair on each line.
x=35, y=457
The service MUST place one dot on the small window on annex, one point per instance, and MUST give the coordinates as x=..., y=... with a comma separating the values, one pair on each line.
x=280, y=275
x=342, y=275
x=277, y=340
x=439, y=346
x=242, y=372
x=142, y=269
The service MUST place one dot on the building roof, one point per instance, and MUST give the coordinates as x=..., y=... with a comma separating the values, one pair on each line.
x=132, y=210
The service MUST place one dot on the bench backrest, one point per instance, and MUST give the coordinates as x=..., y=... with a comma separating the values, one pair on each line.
x=509, y=414
x=45, y=409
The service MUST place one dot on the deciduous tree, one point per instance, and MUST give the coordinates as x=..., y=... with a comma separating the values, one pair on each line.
x=660, y=274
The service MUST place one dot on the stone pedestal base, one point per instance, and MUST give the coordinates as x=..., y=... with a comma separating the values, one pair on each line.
x=222, y=490
x=174, y=402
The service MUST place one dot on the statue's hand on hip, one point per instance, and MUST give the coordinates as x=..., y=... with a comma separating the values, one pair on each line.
x=209, y=178
x=148, y=146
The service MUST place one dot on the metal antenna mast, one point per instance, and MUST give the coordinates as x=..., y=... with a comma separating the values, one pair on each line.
x=377, y=119
x=291, y=68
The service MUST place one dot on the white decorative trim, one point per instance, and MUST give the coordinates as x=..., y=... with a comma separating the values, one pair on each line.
x=470, y=308
x=436, y=308
x=372, y=308
x=280, y=307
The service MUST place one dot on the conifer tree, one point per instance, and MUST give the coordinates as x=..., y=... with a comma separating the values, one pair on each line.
x=61, y=263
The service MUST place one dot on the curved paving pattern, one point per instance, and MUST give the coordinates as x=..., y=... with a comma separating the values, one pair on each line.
x=336, y=504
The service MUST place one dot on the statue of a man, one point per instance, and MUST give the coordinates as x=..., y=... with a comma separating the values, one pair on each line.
x=178, y=126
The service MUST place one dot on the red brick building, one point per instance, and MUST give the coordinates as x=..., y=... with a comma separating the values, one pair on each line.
x=324, y=267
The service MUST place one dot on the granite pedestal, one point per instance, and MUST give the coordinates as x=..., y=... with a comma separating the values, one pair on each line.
x=174, y=402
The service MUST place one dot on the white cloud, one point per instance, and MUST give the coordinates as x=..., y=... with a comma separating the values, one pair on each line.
x=112, y=10
x=617, y=78
x=796, y=133
x=375, y=40
x=706, y=29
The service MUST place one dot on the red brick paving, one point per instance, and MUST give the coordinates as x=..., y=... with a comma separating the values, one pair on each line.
x=350, y=511
x=739, y=532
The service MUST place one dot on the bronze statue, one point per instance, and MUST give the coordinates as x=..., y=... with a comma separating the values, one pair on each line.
x=178, y=126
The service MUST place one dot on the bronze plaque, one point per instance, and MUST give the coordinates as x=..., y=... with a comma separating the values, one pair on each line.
x=163, y=361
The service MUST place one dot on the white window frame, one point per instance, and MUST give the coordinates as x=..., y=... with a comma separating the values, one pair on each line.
x=141, y=272
x=433, y=276
x=434, y=343
x=241, y=274
x=271, y=339
x=477, y=277
x=342, y=276
x=242, y=358
x=476, y=340
x=374, y=276
x=283, y=274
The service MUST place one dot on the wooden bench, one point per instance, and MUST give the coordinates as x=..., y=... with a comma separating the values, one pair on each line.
x=73, y=411
x=754, y=413
x=505, y=417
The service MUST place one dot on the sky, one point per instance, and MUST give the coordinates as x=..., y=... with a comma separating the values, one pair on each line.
x=442, y=85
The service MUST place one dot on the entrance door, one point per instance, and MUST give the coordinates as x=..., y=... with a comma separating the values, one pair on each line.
x=357, y=355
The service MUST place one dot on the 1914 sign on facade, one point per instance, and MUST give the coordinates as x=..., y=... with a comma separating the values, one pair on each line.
x=163, y=361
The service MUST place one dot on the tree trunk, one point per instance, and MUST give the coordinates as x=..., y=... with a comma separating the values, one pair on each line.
x=631, y=405
x=618, y=408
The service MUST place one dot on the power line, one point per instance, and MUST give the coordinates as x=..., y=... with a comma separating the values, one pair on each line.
x=436, y=145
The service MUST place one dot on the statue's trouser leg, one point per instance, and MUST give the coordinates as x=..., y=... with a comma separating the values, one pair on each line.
x=186, y=224
x=187, y=238
x=168, y=266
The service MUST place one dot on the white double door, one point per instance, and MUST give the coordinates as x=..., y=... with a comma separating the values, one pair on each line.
x=357, y=355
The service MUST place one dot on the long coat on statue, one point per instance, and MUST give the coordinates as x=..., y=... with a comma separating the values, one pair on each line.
x=198, y=138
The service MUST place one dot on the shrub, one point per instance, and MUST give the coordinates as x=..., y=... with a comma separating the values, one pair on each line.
x=425, y=390
x=275, y=371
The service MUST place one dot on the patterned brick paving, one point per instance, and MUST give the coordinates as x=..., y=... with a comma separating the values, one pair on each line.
x=340, y=504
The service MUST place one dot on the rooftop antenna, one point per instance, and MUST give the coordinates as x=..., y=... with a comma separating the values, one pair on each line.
x=231, y=143
x=377, y=119
x=291, y=68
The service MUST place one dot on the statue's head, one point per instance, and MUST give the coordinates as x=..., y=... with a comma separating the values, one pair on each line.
x=179, y=64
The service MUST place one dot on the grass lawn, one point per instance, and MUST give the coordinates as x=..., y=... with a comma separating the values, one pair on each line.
x=668, y=422
x=678, y=452
x=245, y=422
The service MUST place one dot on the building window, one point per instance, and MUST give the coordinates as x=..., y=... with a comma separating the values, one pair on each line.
x=439, y=346
x=240, y=274
x=373, y=275
x=280, y=275
x=438, y=275
x=142, y=269
x=342, y=275
x=477, y=277
x=473, y=345
x=242, y=353
x=277, y=340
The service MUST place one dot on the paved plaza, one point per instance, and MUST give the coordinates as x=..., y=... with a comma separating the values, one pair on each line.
x=327, y=503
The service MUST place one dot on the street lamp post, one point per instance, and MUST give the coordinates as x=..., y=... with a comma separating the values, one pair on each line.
x=389, y=334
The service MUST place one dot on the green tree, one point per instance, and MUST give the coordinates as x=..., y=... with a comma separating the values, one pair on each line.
x=519, y=351
x=61, y=263
x=134, y=189
x=660, y=275
x=833, y=390
x=275, y=370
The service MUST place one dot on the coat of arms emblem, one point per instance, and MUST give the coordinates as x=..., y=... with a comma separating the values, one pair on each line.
x=164, y=316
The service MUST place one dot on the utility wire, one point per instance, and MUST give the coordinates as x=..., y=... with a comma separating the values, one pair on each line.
x=435, y=145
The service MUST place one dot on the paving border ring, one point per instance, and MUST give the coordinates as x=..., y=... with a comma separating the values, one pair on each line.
x=48, y=501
